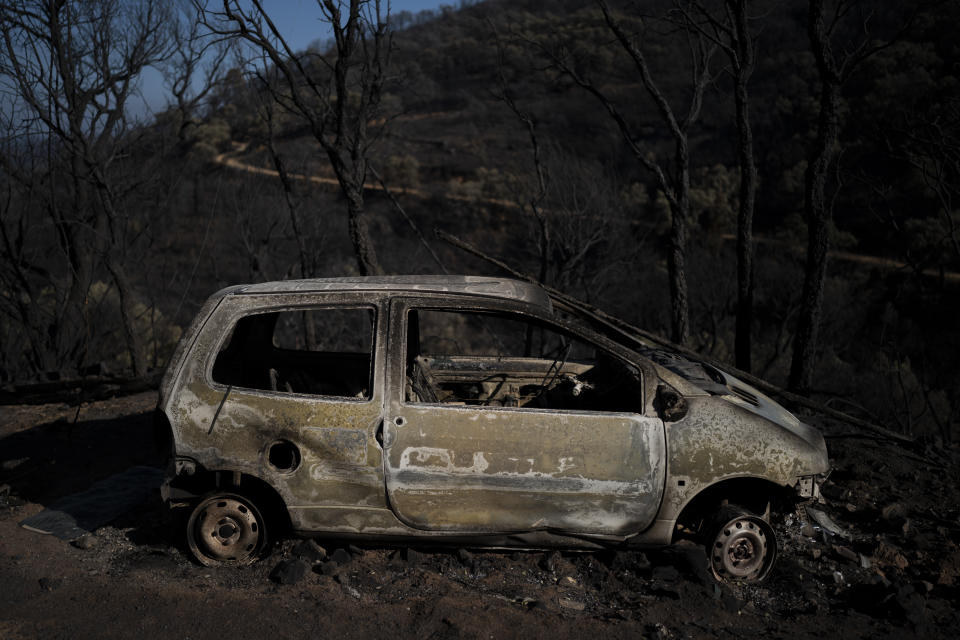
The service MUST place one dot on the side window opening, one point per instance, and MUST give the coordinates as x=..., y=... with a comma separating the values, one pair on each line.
x=485, y=359
x=326, y=351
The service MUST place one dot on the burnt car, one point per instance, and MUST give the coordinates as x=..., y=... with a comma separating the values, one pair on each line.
x=466, y=410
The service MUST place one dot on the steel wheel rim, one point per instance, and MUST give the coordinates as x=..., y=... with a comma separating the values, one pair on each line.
x=743, y=549
x=225, y=529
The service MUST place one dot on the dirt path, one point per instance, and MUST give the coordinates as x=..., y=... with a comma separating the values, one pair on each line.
x=859, y=258
x=898, y=575
x=230, y=159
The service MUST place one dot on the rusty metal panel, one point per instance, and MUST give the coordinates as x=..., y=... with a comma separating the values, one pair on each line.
x=717, y=441
x=224, y=427
x=476, y=286
x=495, y=470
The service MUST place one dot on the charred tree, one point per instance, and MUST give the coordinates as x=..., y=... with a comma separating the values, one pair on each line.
x=835, y=63
x=729, y=29
x=741, y=56
x=69, y=70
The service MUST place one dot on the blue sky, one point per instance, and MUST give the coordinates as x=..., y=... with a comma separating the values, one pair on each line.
x=299, y=21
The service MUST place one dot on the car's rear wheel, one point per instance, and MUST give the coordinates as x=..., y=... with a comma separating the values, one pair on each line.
x=226, y=528
x=741, y=546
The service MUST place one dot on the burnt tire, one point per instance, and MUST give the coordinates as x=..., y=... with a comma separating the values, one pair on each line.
x=741, y=546
x=226, y=528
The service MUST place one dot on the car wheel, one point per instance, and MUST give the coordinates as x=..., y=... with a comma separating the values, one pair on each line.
x=740, y=546
x=226, y=528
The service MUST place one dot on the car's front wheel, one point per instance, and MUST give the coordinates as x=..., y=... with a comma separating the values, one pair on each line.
x=226, y=528
x=741, y=546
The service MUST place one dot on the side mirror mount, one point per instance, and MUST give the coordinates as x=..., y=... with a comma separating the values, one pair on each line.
x=670, y=405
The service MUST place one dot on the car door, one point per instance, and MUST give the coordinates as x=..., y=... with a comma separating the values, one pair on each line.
x=490, y=428
x=302, y=397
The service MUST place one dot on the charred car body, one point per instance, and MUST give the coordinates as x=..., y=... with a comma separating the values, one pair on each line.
x=468, y=410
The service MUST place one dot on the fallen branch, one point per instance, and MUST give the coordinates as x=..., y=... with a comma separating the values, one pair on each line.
x=75, y=392
x=633, y=332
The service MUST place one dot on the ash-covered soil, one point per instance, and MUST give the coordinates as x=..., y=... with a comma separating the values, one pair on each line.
x=893, y=569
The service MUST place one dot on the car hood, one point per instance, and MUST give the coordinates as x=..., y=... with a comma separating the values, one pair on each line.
x=728, y=387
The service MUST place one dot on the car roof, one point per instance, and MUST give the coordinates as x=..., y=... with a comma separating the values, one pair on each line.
x=504, y=288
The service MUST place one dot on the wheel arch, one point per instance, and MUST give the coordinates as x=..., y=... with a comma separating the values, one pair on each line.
x=754, y=493
x=263, y=494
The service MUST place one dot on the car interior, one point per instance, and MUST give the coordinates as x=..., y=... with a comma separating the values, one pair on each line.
x=480, y=359
x=323, y=352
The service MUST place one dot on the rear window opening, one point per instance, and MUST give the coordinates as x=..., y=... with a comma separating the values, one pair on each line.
x=325, y=352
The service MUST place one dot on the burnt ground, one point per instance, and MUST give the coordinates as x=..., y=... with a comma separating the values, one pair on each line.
x=894, y=572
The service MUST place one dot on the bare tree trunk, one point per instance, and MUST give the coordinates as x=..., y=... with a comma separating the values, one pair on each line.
x=743, y=68
x=83, y=240
x=128, y=317
x=729, y=29
x=363, y=247
x=71, y=336
x=293, y=205
x=677, y=257
x=745, y=249
x=817, y=210
x=818, y=215
x=834, y=67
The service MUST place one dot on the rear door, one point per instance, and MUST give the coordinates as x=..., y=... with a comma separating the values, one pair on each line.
x=302, y=399
x=505, y=423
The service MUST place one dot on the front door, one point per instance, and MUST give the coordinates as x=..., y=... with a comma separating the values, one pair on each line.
x=506, y=423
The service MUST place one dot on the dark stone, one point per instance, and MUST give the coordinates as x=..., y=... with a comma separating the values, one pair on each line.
x=290, y=571
x=328, y=568
x=666, y=573
x=341, y=557
x=641, y=564
x=86, y=542
x=693, y=562
x=730, y=602
x=310, y=551
x=395, y=560
x=412, y=556
x=927, y=542
x=846, y=553
x=571, y=604
x=664, y=590
x=10, y=465
x=355, y=550
x=550, y=561
x=466, y=557
x=49, y=584
x=912, y=606
x=658, y=631
x=894, y=511
x=95, y=369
